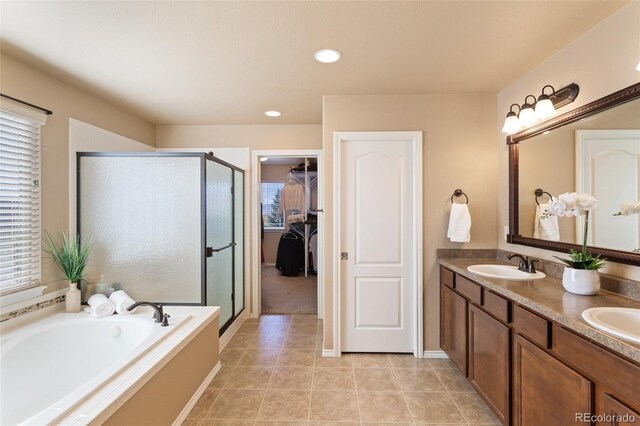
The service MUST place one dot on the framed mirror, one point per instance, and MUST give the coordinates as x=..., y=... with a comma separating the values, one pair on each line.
x=592, y=149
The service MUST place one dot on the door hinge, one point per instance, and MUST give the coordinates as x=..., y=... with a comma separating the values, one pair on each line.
x=344, y=256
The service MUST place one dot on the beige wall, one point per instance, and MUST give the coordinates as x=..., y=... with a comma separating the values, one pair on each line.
x=26, y=83
x=459, y=152
x=601, y=61
x=273, y=136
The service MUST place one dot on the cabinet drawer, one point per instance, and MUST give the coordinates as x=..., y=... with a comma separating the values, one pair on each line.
x=469, y=289
x=532, y=326
x=620, y=414
x=496, y=305
x=616, y=373
x=447, y=277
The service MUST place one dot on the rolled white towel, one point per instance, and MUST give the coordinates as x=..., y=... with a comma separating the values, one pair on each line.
x=100, y=306
x=122, y=301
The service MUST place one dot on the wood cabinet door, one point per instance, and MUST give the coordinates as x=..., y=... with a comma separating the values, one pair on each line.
x=489, y=348
x=545, y=391
x=614, y=412
x=453, y=327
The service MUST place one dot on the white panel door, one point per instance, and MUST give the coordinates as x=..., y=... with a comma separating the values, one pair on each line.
x=377, y=236
x=609, y=169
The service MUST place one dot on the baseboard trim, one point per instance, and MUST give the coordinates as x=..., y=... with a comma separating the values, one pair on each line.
x=233, y=329
x=435, y=354
x=330, y=353
x=196, y=396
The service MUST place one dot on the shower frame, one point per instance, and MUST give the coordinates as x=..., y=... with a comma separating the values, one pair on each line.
x=204, y=157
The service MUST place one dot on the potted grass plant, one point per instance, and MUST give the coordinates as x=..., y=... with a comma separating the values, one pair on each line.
x=581, y=271
x=71, y=257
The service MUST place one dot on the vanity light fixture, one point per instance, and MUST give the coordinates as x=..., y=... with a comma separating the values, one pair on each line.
x=511, y=123
x=527, y=114
x=539, y=109
x=544, y=107
x=272, y=113
x=327, y=56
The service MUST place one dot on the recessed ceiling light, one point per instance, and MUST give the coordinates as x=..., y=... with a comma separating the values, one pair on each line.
x=263, y=159
x=327, y=56
x=272, y=113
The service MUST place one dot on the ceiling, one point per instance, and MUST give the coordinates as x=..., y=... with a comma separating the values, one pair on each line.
x=185, y=62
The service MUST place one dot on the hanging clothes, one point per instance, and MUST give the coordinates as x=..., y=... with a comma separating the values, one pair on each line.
x=313, y=249
x=290, y=258
x=292, y=197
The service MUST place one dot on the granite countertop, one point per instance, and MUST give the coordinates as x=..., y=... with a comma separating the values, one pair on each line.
x=547, y=297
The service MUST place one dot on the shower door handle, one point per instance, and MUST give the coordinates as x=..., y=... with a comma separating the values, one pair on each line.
x=211, y=250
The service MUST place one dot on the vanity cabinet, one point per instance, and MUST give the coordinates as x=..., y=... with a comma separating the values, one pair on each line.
x=545, y=391
x=618, y=413
x=489, y=346
x=529, y=369
x=453, y=334
x=475, y=339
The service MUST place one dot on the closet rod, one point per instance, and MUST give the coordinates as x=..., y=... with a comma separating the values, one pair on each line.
x=46, y=111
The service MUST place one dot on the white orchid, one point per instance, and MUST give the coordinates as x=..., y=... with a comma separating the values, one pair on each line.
x=627, y=209
x=573, y=204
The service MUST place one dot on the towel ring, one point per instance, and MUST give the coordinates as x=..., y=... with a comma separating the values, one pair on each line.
x=459, y=193
x=539, y=192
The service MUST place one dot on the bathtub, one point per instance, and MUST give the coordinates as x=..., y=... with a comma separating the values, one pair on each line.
x=51, y=367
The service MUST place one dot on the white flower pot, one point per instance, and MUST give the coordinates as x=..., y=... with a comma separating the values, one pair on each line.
x=585, y=282
x=72, y=299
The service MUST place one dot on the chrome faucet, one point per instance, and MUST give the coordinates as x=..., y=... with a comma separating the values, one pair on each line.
x=159, y=316
x=525, y=264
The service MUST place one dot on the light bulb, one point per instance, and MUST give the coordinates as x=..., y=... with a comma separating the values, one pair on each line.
x=527, y=116
x=544, y=108
x=511, y=124
x=327, y=56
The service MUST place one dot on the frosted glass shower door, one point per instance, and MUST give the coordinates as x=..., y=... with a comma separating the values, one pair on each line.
x=142, y=214
x=219, y=238
x=238, y=235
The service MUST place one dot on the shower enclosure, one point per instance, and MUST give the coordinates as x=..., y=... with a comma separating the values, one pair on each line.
x=164, y=227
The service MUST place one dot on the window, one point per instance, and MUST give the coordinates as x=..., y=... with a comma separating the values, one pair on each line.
x=19, y=202
x=271, y=193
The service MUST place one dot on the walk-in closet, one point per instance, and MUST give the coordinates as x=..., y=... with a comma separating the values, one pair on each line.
x=289, y=235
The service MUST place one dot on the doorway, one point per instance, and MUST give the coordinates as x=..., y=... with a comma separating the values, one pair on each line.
x=286, y=240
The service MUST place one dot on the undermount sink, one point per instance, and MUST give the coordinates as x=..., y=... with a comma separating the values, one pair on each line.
x=621, y=322
x=504, y=272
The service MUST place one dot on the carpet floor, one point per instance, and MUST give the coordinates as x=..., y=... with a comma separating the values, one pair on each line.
x=288, y=295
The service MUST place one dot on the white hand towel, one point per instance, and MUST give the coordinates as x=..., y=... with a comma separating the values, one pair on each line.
x=122, y=302
x=100, y=306
x=545, y=229
x=459, y=223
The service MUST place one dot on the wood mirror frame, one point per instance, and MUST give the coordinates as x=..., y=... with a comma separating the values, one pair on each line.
x=622, y=96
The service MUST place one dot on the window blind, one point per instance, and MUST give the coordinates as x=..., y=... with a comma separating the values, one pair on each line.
x=19, y=202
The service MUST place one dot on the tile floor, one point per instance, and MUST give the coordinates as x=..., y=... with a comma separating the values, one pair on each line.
x=273, y=374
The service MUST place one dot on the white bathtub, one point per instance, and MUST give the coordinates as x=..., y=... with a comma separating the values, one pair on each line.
x=50, y=367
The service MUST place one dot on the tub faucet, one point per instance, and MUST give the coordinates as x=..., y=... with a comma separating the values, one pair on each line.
x=159, y=316
x=526, y=264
